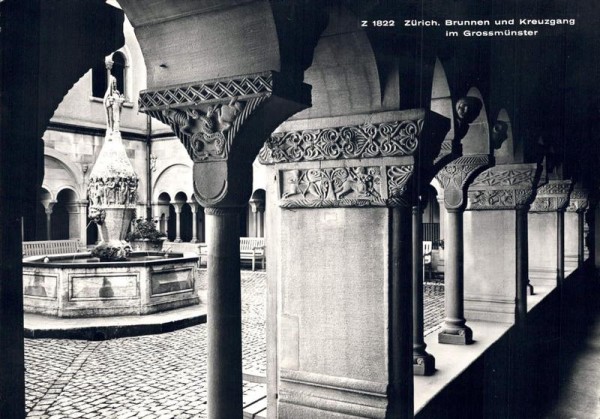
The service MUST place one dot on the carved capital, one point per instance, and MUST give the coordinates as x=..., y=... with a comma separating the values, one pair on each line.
x=456, y=176
x=578, y=200
x=222, y=124
x=553, y=196
x=354, y=186
x=503, y=187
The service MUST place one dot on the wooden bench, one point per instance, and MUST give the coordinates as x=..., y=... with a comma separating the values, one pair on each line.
x=251, y=249
x=427, y=249
x=51, y=247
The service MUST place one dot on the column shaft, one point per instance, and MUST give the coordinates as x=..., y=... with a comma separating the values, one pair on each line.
x=424, y=363
x=224, y=318
x=177, y=225
x=48, y=225
x=580, y=238
x=560, y=246
x=12, y=368
x=194, y=223
x=401, y=394
x=522, y=263
x=454, y=330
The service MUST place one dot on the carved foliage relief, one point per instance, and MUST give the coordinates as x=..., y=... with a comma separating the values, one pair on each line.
x=552, y=196
x=387, y=139
x=578, y=201
x=499, y=188
x=345, y=187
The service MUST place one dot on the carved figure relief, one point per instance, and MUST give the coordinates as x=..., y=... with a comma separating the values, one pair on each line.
x=113, y=191
x=207, y=135
x=332, y=187
x=364, y=141
x=113, y=103
x=467, y=110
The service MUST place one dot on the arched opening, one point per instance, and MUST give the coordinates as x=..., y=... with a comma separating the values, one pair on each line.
x=431, y=218
x=118, y=70
x=186, y=223
x=257, y=215
x=62, y=222
x=171, y=224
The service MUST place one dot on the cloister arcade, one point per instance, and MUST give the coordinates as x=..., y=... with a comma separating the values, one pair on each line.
x=362, y=135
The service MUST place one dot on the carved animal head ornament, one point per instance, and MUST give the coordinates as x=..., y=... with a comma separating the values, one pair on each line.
x=499, y=134
x=467, y=109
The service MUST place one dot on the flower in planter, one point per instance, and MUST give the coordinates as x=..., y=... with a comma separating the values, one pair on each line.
x=114, y=250
x=145, y=230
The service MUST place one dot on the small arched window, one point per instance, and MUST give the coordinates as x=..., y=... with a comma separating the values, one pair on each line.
x=118, y=70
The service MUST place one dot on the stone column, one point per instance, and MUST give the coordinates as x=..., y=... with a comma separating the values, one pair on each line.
x=546, y=233
x=224, y=376
x=83, y=221
x=222, y=179
x=455, y=178
x=423, y=362
x=341, y=224
x=496, y=270
x=194, y=208
x=177, y=222
x=48, y=210
x=258, y=210
x=574, y=229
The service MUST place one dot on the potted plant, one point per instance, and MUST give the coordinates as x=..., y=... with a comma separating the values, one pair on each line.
x=144, y=236
x=112, y=251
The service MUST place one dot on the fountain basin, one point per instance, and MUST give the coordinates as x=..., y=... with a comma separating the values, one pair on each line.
x=77, y=285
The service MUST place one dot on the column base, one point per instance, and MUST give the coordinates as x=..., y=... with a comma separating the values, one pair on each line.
x=456, y=337
x=423, y=364
x=194, y=241
x=177, y=241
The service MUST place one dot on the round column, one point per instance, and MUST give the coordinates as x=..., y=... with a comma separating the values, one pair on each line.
x=521, y=246
x=580, y=238
x=423, y=362
x=224, y=316
x=454, y=331
x=177, y=223
x=48, y=211
x=194, y=208
x=560, y=246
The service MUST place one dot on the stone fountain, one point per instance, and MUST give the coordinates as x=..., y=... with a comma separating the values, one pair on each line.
x=79, y=285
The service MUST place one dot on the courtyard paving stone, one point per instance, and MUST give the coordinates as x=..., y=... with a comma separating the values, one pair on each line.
x=155, y=376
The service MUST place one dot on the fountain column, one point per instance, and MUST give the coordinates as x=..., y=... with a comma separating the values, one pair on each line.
x=112, y=188
x=194, y=208
x=223, y=132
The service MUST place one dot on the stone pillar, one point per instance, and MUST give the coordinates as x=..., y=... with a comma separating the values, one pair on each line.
x=194, y=208
x=224, y=376
x=341, y=224
x=83, y=221
x=574, y=229
x=423, y=362
x=241, y=112
x=177, y=222
x=258, y=211
x=455, y=178
x=496, y=267
x=546, y=227
x=48, y=210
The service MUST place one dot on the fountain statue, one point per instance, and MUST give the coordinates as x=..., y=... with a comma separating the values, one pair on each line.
x=113, y=183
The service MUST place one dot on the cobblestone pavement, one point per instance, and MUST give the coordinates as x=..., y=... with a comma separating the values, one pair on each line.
x=157, y=376
x=433, y=307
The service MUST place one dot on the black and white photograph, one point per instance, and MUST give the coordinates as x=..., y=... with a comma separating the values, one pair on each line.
x=299, y=209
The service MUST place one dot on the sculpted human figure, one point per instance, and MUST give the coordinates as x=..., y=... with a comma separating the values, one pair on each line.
x=133, y=184
x=110, y=190
x=113, y=103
